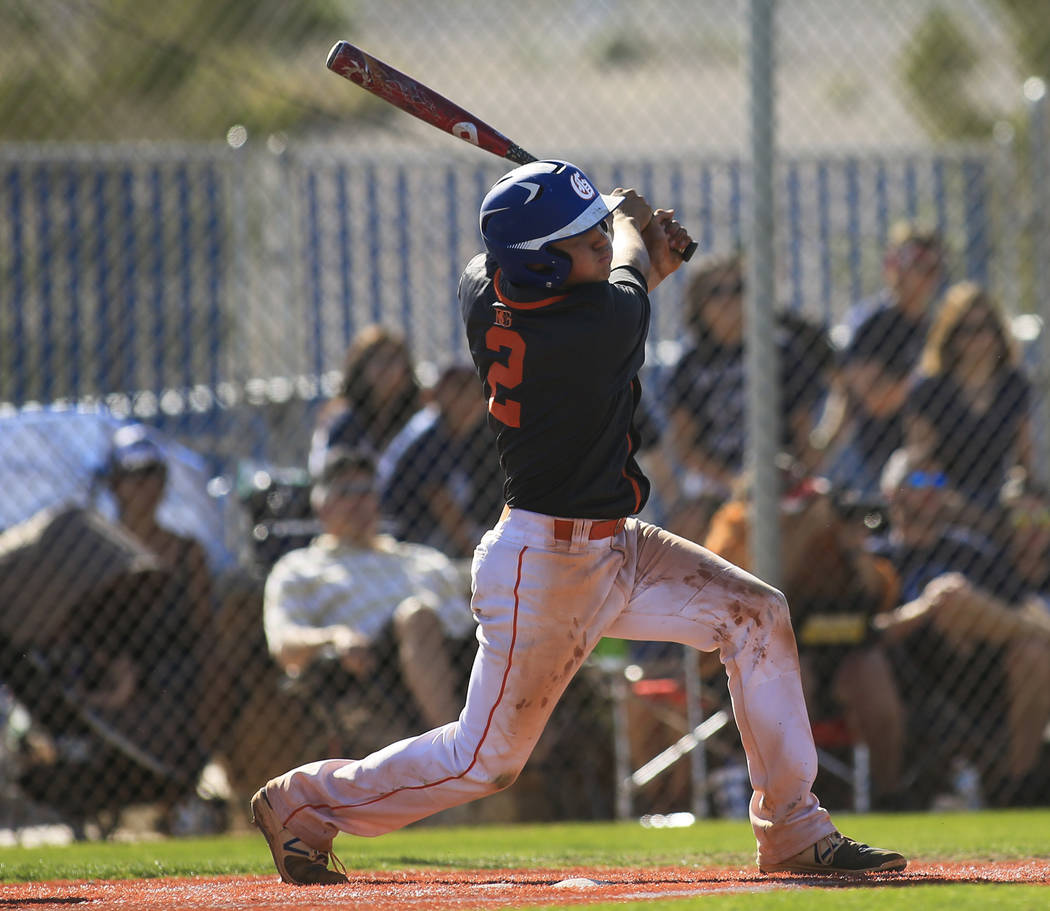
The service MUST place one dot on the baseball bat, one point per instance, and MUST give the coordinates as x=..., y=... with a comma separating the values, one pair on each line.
x=419, y=100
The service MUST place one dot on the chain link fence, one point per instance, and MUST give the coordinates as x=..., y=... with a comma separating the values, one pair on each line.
x=215, y=255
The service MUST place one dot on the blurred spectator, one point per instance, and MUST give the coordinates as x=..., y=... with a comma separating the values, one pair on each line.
x=374, y=627
x=706, y=391
x=441, y=480
x=956, y=696
x=881, y=340
x=137, y=476
x=834, y=586
x=934, y=415
x=377, y=396
x=1017, y=621
x=925, y=537
x=121, y=681
x=972, y=372
x=99, y=659
x=913, y=272
x=863, y=423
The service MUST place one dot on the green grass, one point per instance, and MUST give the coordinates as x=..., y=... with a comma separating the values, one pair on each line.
x=986, y=836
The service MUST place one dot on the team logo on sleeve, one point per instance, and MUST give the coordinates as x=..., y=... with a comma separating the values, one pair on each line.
x=582, y=186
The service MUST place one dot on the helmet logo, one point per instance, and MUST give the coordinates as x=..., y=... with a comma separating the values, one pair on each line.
x=533, y=189
x=582, y=186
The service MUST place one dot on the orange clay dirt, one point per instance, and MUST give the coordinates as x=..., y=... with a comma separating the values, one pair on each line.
x=443, y=891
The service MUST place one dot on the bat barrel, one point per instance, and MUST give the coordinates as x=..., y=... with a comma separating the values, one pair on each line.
x=421, y=101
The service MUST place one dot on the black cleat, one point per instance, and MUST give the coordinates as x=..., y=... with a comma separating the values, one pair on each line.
x=835, y=853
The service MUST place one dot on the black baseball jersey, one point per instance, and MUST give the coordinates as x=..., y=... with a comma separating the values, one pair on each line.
x=561, y=378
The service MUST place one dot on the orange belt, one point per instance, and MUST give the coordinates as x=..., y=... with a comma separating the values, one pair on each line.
x=600, y=528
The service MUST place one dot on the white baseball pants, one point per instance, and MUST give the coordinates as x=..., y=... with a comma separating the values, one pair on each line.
x=541, y=606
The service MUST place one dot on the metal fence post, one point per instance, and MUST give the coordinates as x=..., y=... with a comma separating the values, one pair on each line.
x=761, y=356
x=1039, y=187
x=694, y=718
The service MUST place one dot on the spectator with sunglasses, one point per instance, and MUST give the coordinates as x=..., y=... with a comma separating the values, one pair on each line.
x=1016, y=622
x=706, y=390
x=880, y=343
x=913, y=272
x=375, y=627
x=955, y=691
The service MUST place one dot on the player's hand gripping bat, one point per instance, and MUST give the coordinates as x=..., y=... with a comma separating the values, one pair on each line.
x=410, y=95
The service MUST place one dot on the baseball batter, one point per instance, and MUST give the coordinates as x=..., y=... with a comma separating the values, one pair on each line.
x=557, y=314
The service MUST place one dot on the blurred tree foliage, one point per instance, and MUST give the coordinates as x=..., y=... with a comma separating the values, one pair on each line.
x=1029, y=24
x=940, y=66
x=940, y=63
x=936, y=67
x=129, y=69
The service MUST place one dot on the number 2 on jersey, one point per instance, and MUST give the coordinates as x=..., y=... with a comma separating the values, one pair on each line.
x=496, y=339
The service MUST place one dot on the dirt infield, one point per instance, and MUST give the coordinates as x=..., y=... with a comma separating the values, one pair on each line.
x=493, y=889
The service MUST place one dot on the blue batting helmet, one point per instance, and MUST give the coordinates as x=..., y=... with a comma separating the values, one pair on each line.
x=533, y=206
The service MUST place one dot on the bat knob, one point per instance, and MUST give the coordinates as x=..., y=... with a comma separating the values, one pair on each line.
x=334, y=53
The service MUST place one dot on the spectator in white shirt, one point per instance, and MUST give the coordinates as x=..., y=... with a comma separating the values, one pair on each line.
x=362, y=601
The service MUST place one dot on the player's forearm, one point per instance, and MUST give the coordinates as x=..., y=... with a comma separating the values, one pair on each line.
x=628, y=247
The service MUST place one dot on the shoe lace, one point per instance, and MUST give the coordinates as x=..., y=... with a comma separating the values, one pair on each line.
x=337, y=864
x=828, y=847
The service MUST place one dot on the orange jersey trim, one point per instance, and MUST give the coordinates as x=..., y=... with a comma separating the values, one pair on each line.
x=634, y=483
x=523, y=305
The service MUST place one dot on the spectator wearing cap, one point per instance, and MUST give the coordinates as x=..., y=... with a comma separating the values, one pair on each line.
x=120, y=679
x=137, y=476
x=163, y=634
x=376, y=625
x=864, y=421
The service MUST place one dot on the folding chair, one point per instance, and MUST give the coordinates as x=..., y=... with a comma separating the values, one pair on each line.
x=628, y=683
